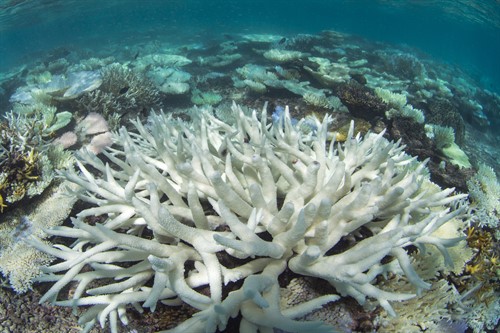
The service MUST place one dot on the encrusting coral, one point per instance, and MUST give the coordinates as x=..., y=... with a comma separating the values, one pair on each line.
x=175, y=197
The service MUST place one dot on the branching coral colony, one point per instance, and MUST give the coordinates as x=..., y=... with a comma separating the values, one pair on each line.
x=174, y=193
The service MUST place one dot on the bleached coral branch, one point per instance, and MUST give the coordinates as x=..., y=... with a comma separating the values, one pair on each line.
x=270, y=193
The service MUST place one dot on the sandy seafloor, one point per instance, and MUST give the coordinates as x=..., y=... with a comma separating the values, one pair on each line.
x=378, y=85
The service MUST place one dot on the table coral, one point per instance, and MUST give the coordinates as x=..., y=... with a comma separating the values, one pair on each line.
x=175, y=197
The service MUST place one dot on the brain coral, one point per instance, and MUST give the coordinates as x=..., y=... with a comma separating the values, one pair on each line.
x=175, y=198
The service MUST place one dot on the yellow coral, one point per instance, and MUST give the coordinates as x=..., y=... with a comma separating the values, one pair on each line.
x=2, y=204
x=479, y=239
x=360, y=126
x=30, y=163
x=473, y=269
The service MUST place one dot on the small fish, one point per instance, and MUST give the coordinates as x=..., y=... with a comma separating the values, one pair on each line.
x=124, y=90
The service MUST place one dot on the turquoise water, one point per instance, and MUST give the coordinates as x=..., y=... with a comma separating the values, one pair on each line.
x=465, y=33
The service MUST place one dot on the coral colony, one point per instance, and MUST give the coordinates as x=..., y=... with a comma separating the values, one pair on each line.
x=272, y=196
x=268, y=184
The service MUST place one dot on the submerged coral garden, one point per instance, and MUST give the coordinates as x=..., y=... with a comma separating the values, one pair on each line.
x=314, y=183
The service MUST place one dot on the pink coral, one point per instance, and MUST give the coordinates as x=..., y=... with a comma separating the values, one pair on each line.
x=99, y=142
x=67, y=140
x=94, y=123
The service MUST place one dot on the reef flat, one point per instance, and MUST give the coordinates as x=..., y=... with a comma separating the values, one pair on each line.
x=251, y=182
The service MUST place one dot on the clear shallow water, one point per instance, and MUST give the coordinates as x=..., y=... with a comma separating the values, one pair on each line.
x=465, y=33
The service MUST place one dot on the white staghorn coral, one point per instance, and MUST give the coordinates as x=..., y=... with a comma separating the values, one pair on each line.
x=173, y=193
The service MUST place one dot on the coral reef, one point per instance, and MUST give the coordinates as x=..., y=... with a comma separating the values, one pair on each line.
x=283, y=56
x=484, y=190
x=444, y=140
x=442, y=112
x=348, y=77
x=328, y=73
x=361, y=102
x=414, y=136
x=58, y=87
x=122, y=91
x=481, y=297
x=319, y=99
x=20, y=263
x=443, y=136
x=26, y=159
x=170, y=80
x=399, y=106
x=177, y=198
x=205, y=98
x=443, y=301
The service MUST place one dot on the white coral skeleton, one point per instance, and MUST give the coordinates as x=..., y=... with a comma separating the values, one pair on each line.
x=174, y=193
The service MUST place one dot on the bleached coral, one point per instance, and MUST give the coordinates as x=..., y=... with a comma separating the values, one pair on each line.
x=93, y=123
x=394, y=100
x=67, y=139
x=398, y=105
x=484, y=191
x=19, y=263
x=283, y=56
x=176, y=196
x=422, y=313
x=442, y=302
x=443, y=136
x=161, y=60
x=485, y=313
x=205, y=97
x=172, y=81
x=444, y=139
x=328, y=73
x=252, y=74
x=319, y=99
x=220, y=60
x=58, y=87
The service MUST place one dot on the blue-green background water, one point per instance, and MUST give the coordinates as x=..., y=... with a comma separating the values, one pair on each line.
x=459, y=32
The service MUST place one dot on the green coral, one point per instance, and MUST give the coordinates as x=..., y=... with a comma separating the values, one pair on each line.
x=205, y=98
x=444, y=139
x=398, y=106
x=41, y=119
x=319, y=99
x=394, y=100
x=328, y=73
x=443, y=136
x=58, y=121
